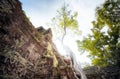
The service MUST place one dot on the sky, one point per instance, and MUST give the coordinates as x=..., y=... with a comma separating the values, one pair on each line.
x=41, y=12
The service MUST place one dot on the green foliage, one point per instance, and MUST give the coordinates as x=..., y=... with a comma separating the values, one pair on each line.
x=103, y=44
x=65, y=19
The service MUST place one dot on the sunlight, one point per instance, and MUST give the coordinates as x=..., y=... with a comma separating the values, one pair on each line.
x=59, y=39
x=44, y=11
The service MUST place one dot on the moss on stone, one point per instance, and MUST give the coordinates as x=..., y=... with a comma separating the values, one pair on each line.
x=51, y=54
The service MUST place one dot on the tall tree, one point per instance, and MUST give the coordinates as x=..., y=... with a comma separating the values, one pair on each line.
x=103, y=44
x=65, y=19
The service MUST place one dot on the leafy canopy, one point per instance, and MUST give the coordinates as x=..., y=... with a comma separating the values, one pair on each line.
x=103, y=44
x=65, y=19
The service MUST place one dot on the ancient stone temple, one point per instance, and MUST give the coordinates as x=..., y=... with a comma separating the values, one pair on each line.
x=27, y=52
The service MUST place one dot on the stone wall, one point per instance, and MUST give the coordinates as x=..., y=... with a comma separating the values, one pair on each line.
x=110, y=72
x=27, y=52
